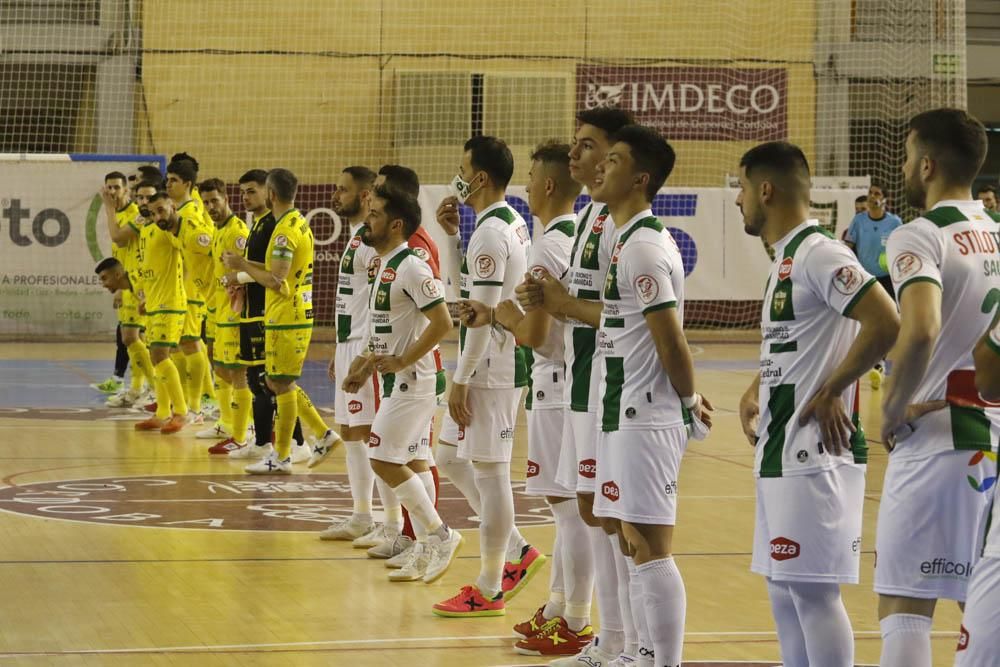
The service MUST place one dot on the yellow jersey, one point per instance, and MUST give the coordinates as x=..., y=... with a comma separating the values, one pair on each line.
x=292, y=241
x=232, y=237
x=128, y=254
x=195, y=236
x=162, y=276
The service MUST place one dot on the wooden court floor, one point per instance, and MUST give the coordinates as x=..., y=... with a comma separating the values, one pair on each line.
x=126, y=549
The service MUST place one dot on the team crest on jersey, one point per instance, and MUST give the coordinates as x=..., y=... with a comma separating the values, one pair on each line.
x=905, y=266
x=647, y=288
x=486, y=266
x=598, y=226
x=778, y=302
x=430, y=288
x=356, y=243
x=204, y=240
x=588, y=251
x=785, y=268
x=388, y=276
x=847, y=280
x=280, y=241
x=373, y=268
x=421, y=254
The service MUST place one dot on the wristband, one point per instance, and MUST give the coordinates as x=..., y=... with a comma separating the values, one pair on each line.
x=690, y=401
x=243, y=277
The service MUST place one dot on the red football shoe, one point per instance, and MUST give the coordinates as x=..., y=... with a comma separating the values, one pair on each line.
x=225, y=446
x=174, y=424
x=470, y=603
x=152, y=424
x=517, y=575
x=558, y=639
x=532, y=626
x=150, y=407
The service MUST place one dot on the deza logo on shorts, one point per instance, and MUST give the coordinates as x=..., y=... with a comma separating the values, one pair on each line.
x=611, y=491
x=783, y=548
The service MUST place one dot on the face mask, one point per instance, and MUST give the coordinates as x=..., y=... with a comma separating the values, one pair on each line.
x=462, y=189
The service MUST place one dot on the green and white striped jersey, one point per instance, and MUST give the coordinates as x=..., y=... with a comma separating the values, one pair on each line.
x=352, y=288
x=645, y=274
x=814, y=283
x=955, y=245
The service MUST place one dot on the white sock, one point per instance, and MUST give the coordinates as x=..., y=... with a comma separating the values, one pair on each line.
x=515, y=544
x=666, y=606
x=390, y=506
x=825, y=625
x=577, y=563
x=612, y=638
x=906, y=641
x=644, y=647
x=622, y=573
x=427, y=479
x=786, y=619
x=496, y=522
x=461, y=474
x=556, y=605
x=360, y=476
x=413, y=496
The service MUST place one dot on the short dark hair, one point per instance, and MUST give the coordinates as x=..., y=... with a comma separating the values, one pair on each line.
x=651, y=152
x=554, y=154
x=210, y=184
x=107, y=263
x=784, y=162
x=149, y=184
x=184, y=170
x=863, y=199
x=115, y=175
x=284, y=183
x=363, y=176
x=258, y=176
x=954, y=139
x=401, y=177
x=876, y=184
x=989, y=187
x=400, y=204
x=158, y=195
x=492, y=155
x=184, y=156
x=609, y=119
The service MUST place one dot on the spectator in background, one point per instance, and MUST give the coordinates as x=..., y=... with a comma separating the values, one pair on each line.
x=867, y=237
x=988, y=195
x=861, y=204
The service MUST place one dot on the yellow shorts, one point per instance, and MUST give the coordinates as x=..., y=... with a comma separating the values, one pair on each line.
x=193, y=320
x=285, y=352
x=128, y=312
x=164, y=328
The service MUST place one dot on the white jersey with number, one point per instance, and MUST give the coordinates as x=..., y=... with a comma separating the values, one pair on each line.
x=497, y=256
x=814, y=283
x=550, y=254
x=956, y=246
x=589, y=259
x=645, y=274
x=352, y=288
x=404, y=289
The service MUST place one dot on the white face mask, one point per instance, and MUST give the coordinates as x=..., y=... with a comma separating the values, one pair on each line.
x=462, y=189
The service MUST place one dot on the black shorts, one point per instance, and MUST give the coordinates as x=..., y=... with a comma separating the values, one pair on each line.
x=252, y=343
x=886, y=282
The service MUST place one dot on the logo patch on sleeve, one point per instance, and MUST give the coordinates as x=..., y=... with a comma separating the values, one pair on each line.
x=847, y=280
x=280, y=241
x=486, y=266
x=906, y=265
x=204, y=240
x=647, y=288
x=421, y=254
x=241, y=242
x=430, y=288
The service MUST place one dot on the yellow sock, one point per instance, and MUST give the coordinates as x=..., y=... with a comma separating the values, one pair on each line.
x=207, y=381
x=195, y=377
x=225, y=398
x=167, y=374
x=284, y=424
x=162, y=398
x=308, y=414
x=142, y=367
x=242, y=404
x=181, y=364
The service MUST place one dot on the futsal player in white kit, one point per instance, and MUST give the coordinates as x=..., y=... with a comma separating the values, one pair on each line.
x=801, y=411
x=934, y=506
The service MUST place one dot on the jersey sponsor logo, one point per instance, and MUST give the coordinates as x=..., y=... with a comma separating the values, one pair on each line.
x=942, y=567
x=611, y=491
x=280, y=241
x=783, y=548
x=963, y=639
x=647, y=288
x=532, y=470
x=373, y=268
x=670, y=488
x=374, y=440
x=588, y=468
x=430, y=288
x=988, y=481
x=354, y=407
x=388, y=276
x=486, y=266
x=241, y=242
x=507, y=434
x=598, y=226
x=355, y=242
x=421, y=254
x=461, y=432
x=905, y=266
x=204, y=240
x=847, y=280
x=785, y=268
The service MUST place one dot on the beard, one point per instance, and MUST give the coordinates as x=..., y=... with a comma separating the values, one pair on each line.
x=915, y=193
x=754, y=224
x=367, y=237
x=349, y=210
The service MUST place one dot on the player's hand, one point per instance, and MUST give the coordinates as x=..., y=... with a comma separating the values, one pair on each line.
x=473, y=314
x=529, y=294
x=895, y=420
x=458, y=404
x=835, y=427
x=389, y=363
x=108, y=198
x=229, y=279
x=447, y=215
x=701, y=413
x=232, y=261
x=554, y=294
x=331, y=369
x=750, y=416
x=507, y=315
x=358, y=373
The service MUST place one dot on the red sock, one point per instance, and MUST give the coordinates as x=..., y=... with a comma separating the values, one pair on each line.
x=437, y=485
x=408, y=526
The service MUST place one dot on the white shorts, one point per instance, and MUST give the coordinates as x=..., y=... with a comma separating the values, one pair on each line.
x=578, y=453
x=489, y=437
x=637, y=475
x=353, y=409
x=449, y=429
x=931, y=525
x=808, y=527
x=979, y=641
x=401, y=429
x=544, y=444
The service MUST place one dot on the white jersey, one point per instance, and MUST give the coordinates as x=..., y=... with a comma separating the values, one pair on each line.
x=404, y=288
x=993, y=538
x=814, y=283
x=955, y=245
x=645, y=274
x=497, y=256
x=588, y=268
x=550, y=254
x=352, y=288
